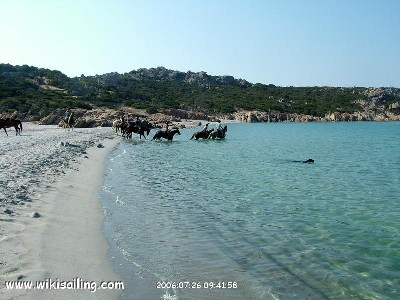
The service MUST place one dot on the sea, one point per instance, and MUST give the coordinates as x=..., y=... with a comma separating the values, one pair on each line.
x=245, y=218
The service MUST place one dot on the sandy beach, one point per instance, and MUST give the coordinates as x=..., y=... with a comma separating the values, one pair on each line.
x=50, y=218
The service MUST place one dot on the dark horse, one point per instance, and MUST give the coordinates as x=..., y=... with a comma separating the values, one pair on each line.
x=6, y=123
x=169, y=135
x=220, y=134
x=139, y=129
x=201, y=134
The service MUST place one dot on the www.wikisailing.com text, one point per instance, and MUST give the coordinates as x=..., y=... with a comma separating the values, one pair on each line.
x=57, y=284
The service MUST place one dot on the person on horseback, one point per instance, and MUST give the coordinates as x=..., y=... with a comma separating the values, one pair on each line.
x=66, y=116
x=128, y=120
x=218, y=128
x=71, y=119
x=205, y=128
x=166, y=126
x=5, y=117
x=138, y=121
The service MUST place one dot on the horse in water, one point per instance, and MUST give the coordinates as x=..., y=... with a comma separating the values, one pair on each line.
x=142, y=130
x=169, y=134
x=7, y=123
x=220, y=134
x=201, y=134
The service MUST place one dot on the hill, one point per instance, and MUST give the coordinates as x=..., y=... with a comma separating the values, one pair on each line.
x=32, y=91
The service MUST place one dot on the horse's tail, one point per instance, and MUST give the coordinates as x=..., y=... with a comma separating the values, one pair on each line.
x=20, y=125
x=192, y=137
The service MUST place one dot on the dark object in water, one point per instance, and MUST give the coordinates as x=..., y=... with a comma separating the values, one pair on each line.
x=308, y=161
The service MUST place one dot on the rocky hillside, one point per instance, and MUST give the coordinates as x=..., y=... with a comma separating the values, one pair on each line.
x=41, y=94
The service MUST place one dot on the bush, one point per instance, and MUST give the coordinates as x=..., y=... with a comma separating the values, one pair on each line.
x=151, y=110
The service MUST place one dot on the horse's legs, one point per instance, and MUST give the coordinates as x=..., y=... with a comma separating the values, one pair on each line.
x=5, y=130
x=18, y=129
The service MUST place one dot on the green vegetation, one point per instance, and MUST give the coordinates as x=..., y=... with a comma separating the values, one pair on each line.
x=35, y=90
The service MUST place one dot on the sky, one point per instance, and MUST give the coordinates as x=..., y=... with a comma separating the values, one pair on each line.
x=283, y=42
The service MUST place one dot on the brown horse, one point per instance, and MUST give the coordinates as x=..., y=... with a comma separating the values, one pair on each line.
x=7, y=123
x=219, y=134
x=169, y=134
x=201, y=134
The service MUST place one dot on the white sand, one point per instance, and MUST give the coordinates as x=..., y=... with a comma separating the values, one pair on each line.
x=39, y=174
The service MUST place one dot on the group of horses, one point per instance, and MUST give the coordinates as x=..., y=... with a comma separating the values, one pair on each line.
x=144, y=127
x=7, y=123
x=128, y=128
x=210, y=134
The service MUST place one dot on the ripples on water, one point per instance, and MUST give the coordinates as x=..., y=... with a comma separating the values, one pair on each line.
x=242, y=210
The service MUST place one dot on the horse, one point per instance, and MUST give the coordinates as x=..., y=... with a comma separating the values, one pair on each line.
x=17, y=124
x=169, y=134
x=139, y=129
x=116, y=125
x=220, y=134
x=68, y=123
x=201, y=134
x=123, y=127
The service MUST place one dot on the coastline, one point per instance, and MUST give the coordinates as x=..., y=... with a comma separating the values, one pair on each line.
x=64, y=242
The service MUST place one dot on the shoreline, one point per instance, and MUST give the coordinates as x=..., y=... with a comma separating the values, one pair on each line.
x=65, y=240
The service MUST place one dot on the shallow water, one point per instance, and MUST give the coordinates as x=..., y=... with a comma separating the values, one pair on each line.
x=247, y=211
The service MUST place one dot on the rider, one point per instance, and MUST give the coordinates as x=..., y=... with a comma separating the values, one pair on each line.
x=4, y=117
x=70, y=119
x=166, y=126
x=205, y=128
x=128, y=120
x=218, y=127
x=138, y=121
x=66, y=115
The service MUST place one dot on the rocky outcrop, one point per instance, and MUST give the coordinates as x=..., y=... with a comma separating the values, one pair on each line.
x=103, y=117
x=258, y=116
x=201, y=78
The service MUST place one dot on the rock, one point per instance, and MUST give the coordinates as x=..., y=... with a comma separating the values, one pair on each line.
x=20, y=277
x=100, y=146
x=8, y=211
x=35, y=215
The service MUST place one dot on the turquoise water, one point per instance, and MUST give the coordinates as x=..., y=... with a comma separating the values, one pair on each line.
x=245, y=211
